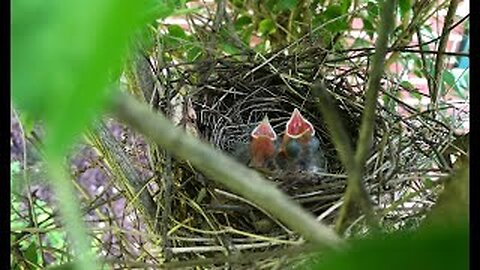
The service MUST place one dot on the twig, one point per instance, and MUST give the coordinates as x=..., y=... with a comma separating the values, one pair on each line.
x=425, y=72
x=31, y=205
x=419, y=8
x=439, y=37
x=338, y=132
x=121, y=167
x=356, y=193
x=433, y=52
x=223, y=169
x=441, y=49
x=204, y=249
x=247, y=257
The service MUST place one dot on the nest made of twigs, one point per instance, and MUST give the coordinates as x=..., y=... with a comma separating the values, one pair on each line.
x=232, y=94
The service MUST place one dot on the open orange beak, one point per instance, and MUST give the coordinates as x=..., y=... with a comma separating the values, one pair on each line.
x=265, y=130
x=297, y=125
x=262, y=144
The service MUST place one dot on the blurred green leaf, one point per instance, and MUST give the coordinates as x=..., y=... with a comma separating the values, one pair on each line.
x=345, y=4
x=270, y=4
x=16, y=182
x=267, y=27
x=177, y=31
x=238, y=3
x=57, y=239
x=416, y=95
x=163, y=9
x=449, y=79
x=175, y=38
x=14, y=167
x=405, y=7
x=193, y=53
x=184, y=11
x=242, y=21
x=247, y=34
x=333, y=12
x=460, y=81
x=452, y=205
x=368, y=27
x=372, y=13
x=31, y=254
x=228, y=48
x=63, y=57
x=283, y=5
x=407, y=85
x=436, y=248
x=28, y=122
x=411, y=90
x=360, y=42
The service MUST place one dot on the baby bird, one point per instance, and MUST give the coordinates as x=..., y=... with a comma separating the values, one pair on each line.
x=263, y=146
x=261, y=150
x=300, y=148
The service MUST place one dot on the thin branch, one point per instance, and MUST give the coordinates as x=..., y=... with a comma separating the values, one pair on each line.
x=356, y=193
x=424, y=70
x=125, y=174
x=441, y=36
x=433, y=52
x=439, y=63
x=335, y=125
x=223, y=169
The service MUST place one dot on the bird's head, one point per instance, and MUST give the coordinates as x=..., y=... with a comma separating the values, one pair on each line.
x=262, y=144
x=298, y=132
x=300, y=148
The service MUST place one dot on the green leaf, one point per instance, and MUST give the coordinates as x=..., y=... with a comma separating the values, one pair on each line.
x=449, y=79
x=63, y=57
x=373, y=11
x=28, y=122
x=57, y=239
x=193, y=53
x=331, y=13
x=184, y=11
x=31, y=254
x=428, y=31
x=368, y=27
x=439, y=248
x=416, y=95
x=461, y=81
x=242, y=21
x=267, y=27
x=345, y=4
x=405, y=7
x=16, y=182
x=15, y=167
x=246, y=36
x=238, y=3
x=407, y=85
x=175, y=37
x=360, y=42
x=177, y=32
x=229, y=49
x=283, y=5
x=161, y=9
x=270, y=4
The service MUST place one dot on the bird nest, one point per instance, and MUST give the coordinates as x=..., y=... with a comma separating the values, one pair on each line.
x=227, y=97
x=199, y=221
